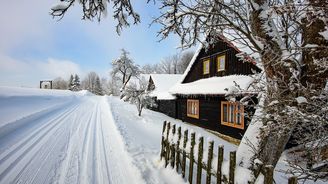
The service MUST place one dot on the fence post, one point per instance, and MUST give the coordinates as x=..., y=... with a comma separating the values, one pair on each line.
x=163, y=140
x=268, y=174
x=173, y=148
x=185, y=140
x=191, y=163
x=168, y=130
x=292, y=180
x=167, y=154
x=209, y=161
x=219, y=168
x=178, y=150
x=232, y=167
x=200, y=159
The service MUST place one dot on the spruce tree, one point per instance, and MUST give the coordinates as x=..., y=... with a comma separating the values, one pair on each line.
x=98, y=89
x=71, y=82
x=77, y=83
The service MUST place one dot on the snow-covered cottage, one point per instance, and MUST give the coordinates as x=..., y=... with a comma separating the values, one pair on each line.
x=159, y=85
x=201, y=93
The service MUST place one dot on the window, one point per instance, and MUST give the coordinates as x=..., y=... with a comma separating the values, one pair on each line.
x=221, y=63
x=206, y=66
x=193, y=108
x=232, y=114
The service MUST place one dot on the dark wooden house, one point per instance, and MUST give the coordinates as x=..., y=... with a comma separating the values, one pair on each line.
x=215, y=71
x=159, y=85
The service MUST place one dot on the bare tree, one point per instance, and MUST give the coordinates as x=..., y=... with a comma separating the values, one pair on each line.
x=151, y=68
x=184, y=61
x=167, y=65
x=176, y=63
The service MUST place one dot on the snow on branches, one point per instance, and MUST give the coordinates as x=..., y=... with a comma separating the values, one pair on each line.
x=137, y=93
x=92, y=9
x=124, y=68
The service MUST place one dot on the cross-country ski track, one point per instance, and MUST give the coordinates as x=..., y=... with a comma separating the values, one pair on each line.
x=73, y=142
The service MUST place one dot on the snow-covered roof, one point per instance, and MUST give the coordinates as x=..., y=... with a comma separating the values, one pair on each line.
x=214, y=85
x=163, y=82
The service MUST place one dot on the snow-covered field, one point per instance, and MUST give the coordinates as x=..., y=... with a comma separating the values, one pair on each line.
x=51, y=136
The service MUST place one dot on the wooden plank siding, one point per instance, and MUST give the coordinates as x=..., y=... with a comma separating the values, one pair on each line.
x=210, y=115
x=233, y=64
x=167, y=107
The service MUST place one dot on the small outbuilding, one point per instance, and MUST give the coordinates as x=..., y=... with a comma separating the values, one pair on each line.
x=159, y=85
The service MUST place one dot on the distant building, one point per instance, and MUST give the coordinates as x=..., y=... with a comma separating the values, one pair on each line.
x=46, y=84
x=159, y=85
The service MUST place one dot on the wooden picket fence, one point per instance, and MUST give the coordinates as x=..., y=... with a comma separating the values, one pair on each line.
x=175, y=153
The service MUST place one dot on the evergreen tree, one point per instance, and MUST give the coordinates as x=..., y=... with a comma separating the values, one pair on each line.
x=76, y=83
x=71, y=82
x=98, y=89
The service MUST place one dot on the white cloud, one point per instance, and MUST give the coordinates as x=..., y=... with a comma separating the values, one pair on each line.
x=59, y=68
x=28, y=73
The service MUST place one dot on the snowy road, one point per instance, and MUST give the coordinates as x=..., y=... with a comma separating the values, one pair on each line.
x=59, y=136
x=75, y=142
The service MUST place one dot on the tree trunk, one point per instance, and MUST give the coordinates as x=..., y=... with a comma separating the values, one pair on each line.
x=277, y=124
x=315, y=59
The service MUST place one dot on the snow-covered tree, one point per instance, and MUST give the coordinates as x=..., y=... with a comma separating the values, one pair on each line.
x=137, y=93
x=76, y=83
x=59, y=83
x=122, y=11
x=105, y=85
x=114, y=85
x=98, y=89
x=92, y=83
x=71, y=82
x=150, y=68
x=124, y=68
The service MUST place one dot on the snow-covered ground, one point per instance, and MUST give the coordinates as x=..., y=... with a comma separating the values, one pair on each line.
x=51, y=136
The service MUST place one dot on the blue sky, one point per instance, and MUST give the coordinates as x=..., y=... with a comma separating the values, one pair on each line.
x=35, y=47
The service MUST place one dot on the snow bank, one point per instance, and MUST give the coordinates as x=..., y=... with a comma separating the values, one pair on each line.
x=19, y=91
x=142, y=136
x=17, y=102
